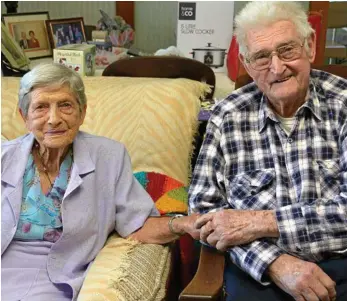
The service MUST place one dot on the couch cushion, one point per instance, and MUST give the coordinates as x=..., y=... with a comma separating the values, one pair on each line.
x=155, y=118
x=126, y=270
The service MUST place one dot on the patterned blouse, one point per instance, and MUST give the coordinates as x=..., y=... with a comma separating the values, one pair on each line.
x=40, y=217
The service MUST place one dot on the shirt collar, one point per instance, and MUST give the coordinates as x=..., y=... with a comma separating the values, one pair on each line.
x=312, y=104
x=265, y=114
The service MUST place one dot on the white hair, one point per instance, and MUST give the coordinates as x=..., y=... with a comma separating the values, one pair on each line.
x=263, y=13
x=45, y=75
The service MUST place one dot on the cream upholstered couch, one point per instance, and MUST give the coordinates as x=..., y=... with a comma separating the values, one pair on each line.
x=156, y=120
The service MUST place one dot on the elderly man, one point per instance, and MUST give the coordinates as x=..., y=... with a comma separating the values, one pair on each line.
x=23, y=43
x=271, y=176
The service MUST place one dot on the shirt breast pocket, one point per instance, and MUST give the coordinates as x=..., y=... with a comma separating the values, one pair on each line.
x=329, y=178
x=253, y=190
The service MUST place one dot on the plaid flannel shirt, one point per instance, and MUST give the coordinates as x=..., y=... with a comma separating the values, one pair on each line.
x=248, y=162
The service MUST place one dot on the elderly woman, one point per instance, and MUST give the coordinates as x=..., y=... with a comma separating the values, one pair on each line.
x=64, y=191
x=33, y=42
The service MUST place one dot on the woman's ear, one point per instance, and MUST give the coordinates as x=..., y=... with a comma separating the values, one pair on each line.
x=22, y=114
x=24, y=117
x=83, y=114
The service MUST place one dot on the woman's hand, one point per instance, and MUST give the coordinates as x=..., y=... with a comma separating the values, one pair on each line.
x=156, y=229
x=186, y=224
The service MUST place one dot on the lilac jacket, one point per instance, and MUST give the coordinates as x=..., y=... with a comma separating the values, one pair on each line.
x=102, y=195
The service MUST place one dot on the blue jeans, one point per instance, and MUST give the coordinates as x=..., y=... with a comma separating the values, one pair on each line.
x=239, y=286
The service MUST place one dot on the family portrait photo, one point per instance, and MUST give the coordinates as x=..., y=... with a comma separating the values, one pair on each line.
x=11, y=50
x=31, y=36
x=29, y=31
x=66, y=31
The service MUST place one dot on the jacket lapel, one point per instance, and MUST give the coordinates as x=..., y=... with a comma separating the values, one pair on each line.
x=10, y=211
x=82, y=165
x=12, y=176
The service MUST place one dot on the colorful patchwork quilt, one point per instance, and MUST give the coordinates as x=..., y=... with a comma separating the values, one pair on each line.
x=169, y=195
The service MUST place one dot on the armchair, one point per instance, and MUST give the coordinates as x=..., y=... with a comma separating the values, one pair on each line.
x=156, y=118
x=207, y=283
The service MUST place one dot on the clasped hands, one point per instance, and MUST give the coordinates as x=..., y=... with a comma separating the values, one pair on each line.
x=227, y=228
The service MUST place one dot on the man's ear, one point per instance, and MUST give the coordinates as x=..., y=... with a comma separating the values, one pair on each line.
x=245, y=65
x=311, y=52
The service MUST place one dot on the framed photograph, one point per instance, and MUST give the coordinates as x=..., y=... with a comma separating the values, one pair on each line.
x=11, y=50
x=29, y=31
x=66, y=31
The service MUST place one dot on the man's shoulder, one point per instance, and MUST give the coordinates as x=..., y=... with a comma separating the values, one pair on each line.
x=330, y=83
x=243, y=100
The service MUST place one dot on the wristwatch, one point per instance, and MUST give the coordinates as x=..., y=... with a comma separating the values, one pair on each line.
x=171, y=221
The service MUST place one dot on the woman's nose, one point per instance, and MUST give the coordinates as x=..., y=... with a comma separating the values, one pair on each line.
x=277, y=65
x=54, y=116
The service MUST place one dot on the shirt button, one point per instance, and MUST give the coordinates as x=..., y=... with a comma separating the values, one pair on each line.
x=289, y=140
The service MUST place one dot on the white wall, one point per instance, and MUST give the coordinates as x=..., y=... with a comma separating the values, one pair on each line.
x=155, y=24
x=89, y=10
x=156, y=21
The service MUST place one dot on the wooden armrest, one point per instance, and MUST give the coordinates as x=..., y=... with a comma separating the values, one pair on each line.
x=208, y=281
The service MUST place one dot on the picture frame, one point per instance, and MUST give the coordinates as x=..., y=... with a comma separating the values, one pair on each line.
x=30, y=32
x=11, y=50
x=66, y=31
x=101, y=46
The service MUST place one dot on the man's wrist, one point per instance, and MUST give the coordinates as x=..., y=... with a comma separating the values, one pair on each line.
x=267, y=224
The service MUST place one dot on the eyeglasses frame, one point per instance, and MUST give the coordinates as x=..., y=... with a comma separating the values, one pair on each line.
x=274, y=52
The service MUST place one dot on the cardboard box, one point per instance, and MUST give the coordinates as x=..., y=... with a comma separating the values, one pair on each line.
x=204, y=31
x=79, y=57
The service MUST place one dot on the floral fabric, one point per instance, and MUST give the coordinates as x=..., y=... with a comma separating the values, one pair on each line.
x=40, y=217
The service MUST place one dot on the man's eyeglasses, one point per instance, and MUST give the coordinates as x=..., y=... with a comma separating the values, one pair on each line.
x=286, y=53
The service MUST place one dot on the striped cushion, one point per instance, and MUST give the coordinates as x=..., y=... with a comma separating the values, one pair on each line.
x=155, y=118
x=127, y=271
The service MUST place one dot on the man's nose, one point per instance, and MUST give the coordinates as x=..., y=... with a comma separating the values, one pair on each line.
x=277, y=66
x=54, y=116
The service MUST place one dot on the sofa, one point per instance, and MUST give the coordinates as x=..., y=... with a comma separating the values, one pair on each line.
x=156, y=119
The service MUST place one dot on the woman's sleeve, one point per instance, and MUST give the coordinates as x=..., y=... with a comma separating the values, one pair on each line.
x=133, y=204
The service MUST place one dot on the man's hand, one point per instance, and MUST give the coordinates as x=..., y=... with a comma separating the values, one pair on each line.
x=227, y=228
x=301, y=279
